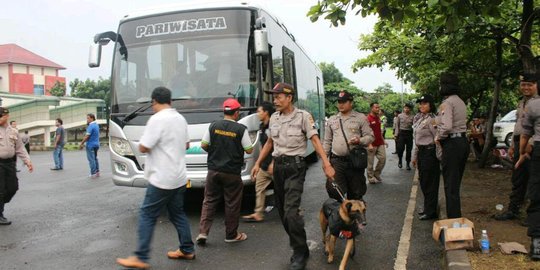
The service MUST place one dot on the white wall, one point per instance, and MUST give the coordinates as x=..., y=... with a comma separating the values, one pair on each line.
x=4, y=82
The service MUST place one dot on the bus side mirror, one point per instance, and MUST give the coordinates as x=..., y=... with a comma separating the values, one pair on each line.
x=261, y=42
x=94, y=56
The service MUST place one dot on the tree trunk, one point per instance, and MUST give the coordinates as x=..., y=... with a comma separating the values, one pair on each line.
x=494, y=104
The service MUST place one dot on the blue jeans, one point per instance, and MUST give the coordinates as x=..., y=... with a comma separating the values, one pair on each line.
x=58, y=157
x=91, y=154
x=154, y=200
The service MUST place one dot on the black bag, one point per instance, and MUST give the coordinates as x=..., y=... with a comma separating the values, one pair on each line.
x=357, y=155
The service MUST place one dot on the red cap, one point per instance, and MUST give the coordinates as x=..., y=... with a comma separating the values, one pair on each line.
x=231, y=104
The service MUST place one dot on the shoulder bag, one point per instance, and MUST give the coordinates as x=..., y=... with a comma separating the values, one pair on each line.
x=357, y=155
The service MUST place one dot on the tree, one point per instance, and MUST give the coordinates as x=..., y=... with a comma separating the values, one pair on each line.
x=331, y=73
x=91, y=89
x=58, y=89
x=481, y=39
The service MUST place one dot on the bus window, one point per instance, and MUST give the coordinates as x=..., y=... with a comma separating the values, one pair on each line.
x=289, y=75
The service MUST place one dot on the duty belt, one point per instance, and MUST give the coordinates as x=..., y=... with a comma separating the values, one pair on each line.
x=283, y=159
x=457, y=135
x=426, y=147
x=7, y=160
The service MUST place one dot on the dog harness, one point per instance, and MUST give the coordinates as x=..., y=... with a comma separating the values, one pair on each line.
x=336, y=225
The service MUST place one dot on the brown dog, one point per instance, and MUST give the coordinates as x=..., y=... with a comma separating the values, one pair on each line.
x=345, y=219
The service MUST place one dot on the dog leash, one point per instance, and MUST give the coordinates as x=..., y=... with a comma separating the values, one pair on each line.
x=336, y=187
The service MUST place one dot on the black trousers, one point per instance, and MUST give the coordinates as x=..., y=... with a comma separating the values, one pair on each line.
x=429, y=174
x=9, y=184
x=405, y=141
x=350, y=181
x=533, y=193
x=454, y=158
x=520, y=178
x=289, y=177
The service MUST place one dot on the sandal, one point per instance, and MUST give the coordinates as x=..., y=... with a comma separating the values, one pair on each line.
x=201, y=239
x=239, y=237
x=253, y=218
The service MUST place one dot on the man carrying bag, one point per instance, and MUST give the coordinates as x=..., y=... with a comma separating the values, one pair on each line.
x=346, y=136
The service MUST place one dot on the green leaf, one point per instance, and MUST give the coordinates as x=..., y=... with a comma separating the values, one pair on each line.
x=432, y=3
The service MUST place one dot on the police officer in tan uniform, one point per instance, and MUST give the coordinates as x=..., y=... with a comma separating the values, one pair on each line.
x=359, y=134
x=530, y=123
x=425, y=156
x=404, y=135
x=10, y=146
x=451, y=134
x=290, y=128
x=520, y=176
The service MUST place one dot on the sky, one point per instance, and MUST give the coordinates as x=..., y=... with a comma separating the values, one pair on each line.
x=62, y=31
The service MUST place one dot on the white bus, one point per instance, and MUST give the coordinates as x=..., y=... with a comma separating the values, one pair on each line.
x=204, y=54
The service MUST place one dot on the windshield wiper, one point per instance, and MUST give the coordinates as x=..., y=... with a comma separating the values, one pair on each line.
x=143, y=108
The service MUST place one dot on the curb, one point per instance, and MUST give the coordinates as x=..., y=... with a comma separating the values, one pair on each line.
x=453, y=259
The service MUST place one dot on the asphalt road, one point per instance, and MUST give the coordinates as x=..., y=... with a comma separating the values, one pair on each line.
x=64, y=220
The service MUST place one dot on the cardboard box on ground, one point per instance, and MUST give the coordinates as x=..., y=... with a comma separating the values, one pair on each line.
x=454, y=238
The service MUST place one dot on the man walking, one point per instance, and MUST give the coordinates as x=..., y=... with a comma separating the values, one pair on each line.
x=25, y=138
x=164, y=141
x=264, y=177
x=225, y=141
x=290, y=128
x=404, y=135
x=520, y=176
x=92, y=144
x=451, y=135
x=10, y=146
x=377, y=148
x=59, y=141
x=348, y=127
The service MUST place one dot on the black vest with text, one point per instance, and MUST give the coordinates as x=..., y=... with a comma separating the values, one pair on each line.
x=225, y=152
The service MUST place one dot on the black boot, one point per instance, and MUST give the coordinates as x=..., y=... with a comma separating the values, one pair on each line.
x=535, y=249
x=506, y=215
x=408, y=166
x=399, y=164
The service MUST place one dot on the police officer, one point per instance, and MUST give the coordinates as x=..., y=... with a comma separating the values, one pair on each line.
x=531, y=128
x=425, y=156
x=359, y=134
x=451, y=134
x=404, y=134
x=520, y=176
x=290, y=128
x=10, y=146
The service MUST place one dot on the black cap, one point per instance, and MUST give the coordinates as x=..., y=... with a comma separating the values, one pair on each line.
x=344, y=96
x=425, y=98
x=528, y=77
x=3, y=111
x=282, y=88
x=449, y=84
x=409, y=105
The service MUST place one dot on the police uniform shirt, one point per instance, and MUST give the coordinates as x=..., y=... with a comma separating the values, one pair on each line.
x=424, y=131
x=452, y=117
x=11, y=144
x=518, y=130
x=531, y=120
x=290, y=132
x=355, y=125
x=227, y=140
x=404, y=122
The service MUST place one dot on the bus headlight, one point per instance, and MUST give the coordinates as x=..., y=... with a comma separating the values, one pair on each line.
x=121, y=147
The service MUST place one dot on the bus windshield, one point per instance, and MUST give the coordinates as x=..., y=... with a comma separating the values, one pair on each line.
x=202, y=65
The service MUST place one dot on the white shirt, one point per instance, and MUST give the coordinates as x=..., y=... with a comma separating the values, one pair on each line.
x=166, y=135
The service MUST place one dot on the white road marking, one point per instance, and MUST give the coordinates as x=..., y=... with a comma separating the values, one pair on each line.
x=404, y=240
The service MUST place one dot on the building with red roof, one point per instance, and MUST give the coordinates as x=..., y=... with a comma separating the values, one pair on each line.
x=24, y=72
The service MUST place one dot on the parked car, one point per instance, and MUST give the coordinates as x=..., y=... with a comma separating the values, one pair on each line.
x=503, y=130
